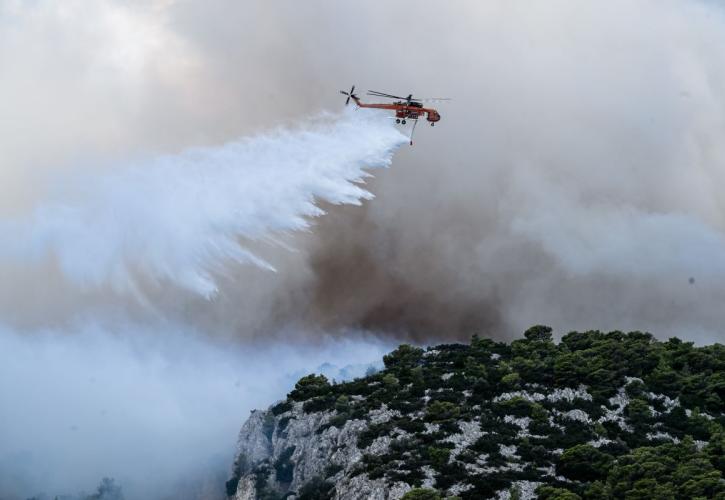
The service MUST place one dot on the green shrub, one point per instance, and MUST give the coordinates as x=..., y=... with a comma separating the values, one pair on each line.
x=281, y=407
x=390, y=381
x=438, y=456
x=342, y=404
x=539, y=333
x=441, y=410
x=511, y=380
x=319, y=403
x=422, y=494
x=665, y=471
x=516, y=406
x=310, y=386
x=550, y=493
x=405, y=356
x=584, y=463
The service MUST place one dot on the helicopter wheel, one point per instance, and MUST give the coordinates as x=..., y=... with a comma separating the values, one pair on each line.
x=397, y=121
x=432, y=124
x=403, y=122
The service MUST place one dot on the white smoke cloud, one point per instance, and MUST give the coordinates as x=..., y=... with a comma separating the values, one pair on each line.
x=156, y=407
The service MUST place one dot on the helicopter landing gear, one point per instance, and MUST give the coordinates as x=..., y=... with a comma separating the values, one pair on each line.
x=403, y=122
x=397, y=120
x=432, y=124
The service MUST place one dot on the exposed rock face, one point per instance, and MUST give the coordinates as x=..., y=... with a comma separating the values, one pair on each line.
x=494, y=421
x=285, y=451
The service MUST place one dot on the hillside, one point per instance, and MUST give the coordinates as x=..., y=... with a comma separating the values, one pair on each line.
x=597, y=415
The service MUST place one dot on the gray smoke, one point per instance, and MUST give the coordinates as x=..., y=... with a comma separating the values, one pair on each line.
x=574, y=180
x=157, y=407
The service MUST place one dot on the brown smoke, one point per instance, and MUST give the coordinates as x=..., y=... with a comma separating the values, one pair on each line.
x=353, y=286
x=573, y=179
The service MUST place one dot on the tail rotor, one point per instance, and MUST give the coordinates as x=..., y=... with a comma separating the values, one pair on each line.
x=350, y=95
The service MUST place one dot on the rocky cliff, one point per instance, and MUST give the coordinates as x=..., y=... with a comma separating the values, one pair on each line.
x=596, y=415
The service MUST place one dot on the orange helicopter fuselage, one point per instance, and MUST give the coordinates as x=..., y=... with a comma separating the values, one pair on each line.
x=404, y=111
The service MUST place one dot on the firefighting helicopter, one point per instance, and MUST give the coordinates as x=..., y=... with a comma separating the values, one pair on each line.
x=406, y=108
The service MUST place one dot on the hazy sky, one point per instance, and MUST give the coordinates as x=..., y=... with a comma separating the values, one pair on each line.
x=573, y=180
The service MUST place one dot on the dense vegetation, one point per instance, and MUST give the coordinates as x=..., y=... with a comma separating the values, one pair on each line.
x=597, y=415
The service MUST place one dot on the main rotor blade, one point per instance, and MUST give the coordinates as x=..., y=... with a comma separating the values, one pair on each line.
x=382, y=94
x=344, y=93
x=386, y=95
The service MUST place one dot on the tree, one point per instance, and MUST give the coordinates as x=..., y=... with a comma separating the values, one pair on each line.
x=579, y=341
x=442, y=410
x=481, y=345
x=584, y=463
x=390, y=381
x=533, y=358
x=310, y=386
x=715, y=450
x=569, y=369
x=405, y=356
x=342, y=404
x=439, y=456
x=638, y=412
x=551, y=493
x=664, y=472
x=511, y=380
x=539, y=333
x=422, y=494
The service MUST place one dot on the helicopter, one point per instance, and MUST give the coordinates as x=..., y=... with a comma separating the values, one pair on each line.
x=406, y=108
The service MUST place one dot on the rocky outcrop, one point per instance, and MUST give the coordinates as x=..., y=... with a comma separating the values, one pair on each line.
x=278, y=454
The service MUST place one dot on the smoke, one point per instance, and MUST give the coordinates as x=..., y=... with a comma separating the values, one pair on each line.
x=574, y=180
x=157, y=407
